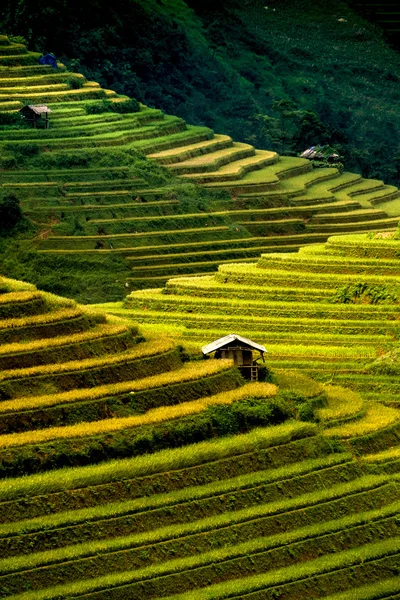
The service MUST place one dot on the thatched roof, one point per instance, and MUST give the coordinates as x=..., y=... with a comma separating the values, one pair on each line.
x=39, y=109
x=317, y=152
x=227, y=339
x=309, y=153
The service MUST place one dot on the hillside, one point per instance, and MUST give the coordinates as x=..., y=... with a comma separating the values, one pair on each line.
x=224, y=65
x=385, y=14
x=130, y=467
x=115, y=483
x=329, y=310
x=104, y=219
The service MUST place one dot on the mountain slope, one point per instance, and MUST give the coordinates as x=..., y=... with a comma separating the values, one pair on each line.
x=114, y=482
x=222, y=64
x=105, y=217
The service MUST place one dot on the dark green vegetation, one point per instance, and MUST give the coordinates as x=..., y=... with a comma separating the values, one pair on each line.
x=10, y=213
x=385, y=14
x=100, y=218
x=280, y=75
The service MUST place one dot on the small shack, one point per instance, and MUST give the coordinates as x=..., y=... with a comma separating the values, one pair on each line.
x=36, y=114
x=240, y=349
x=320, y=153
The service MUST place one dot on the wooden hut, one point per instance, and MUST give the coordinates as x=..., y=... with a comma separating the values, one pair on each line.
x=36, y=114
x=319, y=153
x=240, y=349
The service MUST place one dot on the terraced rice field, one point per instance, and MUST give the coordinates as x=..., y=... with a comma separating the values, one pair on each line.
x=260, y=202
x=330, y=310
x=281, y=509
x=90, y=508
x=68, y=374
x=130, y=469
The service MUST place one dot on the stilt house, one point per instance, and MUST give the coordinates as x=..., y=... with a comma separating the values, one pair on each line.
x=37, y=115
x=240, y=349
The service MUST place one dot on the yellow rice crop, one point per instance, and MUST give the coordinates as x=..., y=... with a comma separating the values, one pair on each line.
x=342, y=403
x=156, y=415
x=14, y=285
x=162, y=328
x=313, y=351
x=189, y=372
x=55, y=300
x=58, y=96
x=319, y=279
x=386, y=455
x=59, y=315
x=23, y=296
x=35, y=89
x=377, y=417
x=160, y=462
x=144, y=350
x=115, y=319
x=295, y=381
x=93, y=334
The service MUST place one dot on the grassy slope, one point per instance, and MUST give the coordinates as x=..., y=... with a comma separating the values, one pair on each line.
x=255, y=511
x=232, y=61
x=105, y=219
x=330, y=310
x=89, y=506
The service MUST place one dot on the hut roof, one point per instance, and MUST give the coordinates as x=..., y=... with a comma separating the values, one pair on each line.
x=221, y=342
x=317, y=152
x=39, y=109
x=309, y=153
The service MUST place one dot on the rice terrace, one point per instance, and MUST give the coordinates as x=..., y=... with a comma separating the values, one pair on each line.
x=199, y=308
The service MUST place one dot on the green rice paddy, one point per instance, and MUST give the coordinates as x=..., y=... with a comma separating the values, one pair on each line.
x=280, y=202
x=129, y=468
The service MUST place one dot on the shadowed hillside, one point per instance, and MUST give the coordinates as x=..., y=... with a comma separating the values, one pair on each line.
x=385, y=14
x=229, y=64
x=103, y=218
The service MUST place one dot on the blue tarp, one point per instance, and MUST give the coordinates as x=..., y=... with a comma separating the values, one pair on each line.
x=48, y=59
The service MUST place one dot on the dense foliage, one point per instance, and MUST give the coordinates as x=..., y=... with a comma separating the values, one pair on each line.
x=282, y=76
x=10, y=213
x=11, y=119
x=128, y=106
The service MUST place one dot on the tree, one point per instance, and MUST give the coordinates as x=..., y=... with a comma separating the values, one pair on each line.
x=310, y=130
x=291, y=129
x=286, y=110
x=10, y=213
